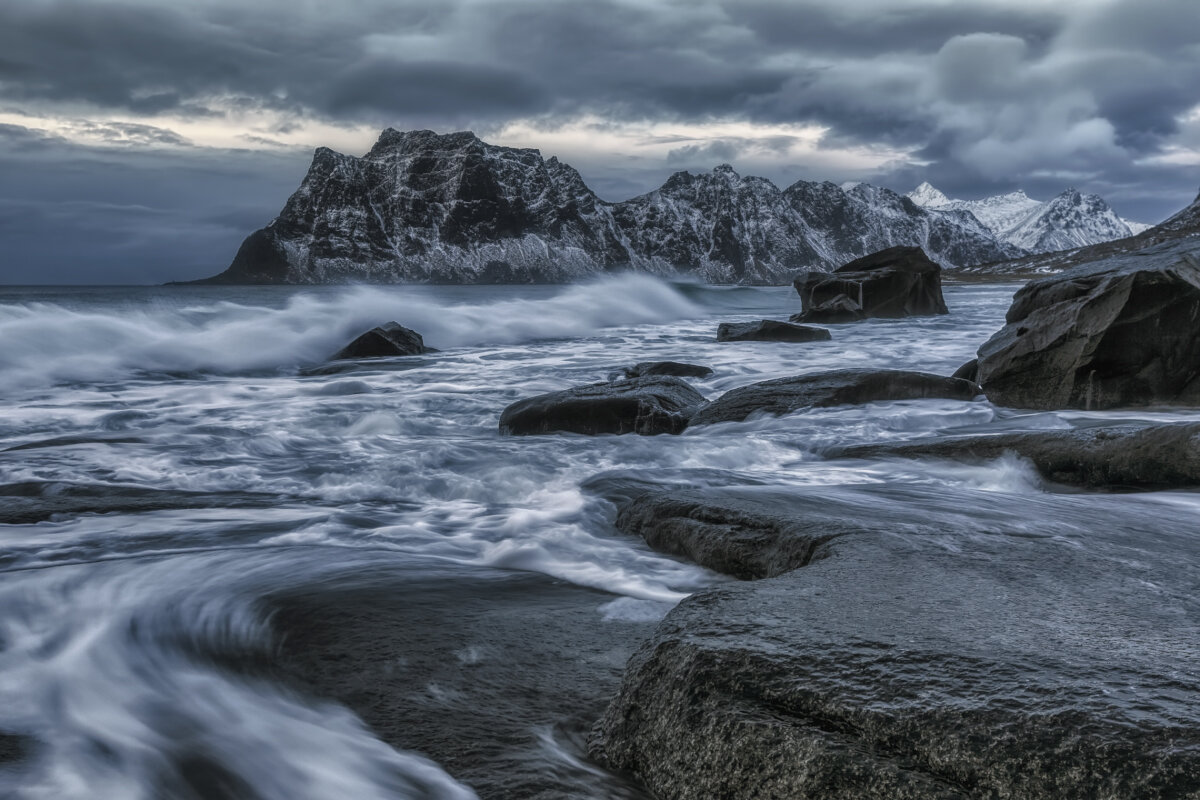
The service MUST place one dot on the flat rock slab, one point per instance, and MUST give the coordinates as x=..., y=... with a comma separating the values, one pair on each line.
x=649, y=406
x=1119, y=457
x=835, y=388
x=390, y=339
x=892, y=283
x=770, y=330
x=1046, y=646
x=1121, y=331
x=676, y=369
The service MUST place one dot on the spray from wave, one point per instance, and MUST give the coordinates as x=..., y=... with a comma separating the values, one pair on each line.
x=47, y=343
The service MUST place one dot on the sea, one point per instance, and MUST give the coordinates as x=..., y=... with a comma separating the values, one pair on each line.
x=233, y=568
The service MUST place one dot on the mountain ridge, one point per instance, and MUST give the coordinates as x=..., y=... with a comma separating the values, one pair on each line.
x=449, y=208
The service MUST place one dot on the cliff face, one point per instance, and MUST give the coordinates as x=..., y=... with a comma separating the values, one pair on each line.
x=424, y=207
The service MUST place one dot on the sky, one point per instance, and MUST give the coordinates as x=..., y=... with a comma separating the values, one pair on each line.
x=142, y=140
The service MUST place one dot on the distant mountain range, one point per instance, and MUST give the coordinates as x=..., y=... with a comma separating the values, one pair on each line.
x=1072, y=219
x=450, y=208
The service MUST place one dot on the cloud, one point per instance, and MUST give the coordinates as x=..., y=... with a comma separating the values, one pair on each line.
x=976, y=95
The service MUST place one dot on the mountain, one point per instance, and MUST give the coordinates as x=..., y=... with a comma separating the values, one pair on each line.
x=1070, y=220
x=1184, y=225
x=450, y=208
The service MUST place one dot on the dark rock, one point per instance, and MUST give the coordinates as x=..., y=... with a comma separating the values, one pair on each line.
x=968, y=371
x=769, y=330
x=675, y=368
x=650, y=405
x=1118, y=332
x=896, y=282
x=1111, y=457
x=392, y=339
x=836, y=388
x=833, y=311
x=944, y=649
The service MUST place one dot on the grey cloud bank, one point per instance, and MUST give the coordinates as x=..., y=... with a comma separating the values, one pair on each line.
x=117, y=163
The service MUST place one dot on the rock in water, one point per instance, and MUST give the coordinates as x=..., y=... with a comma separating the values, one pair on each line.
x=675, y=368
x=1121, y=457
x=896, y=282
x=916, y=649
x=836, y=310
x=650, y=405
x=770, y=330
x=392, y=339
x=1117, y=332
x=835, y=388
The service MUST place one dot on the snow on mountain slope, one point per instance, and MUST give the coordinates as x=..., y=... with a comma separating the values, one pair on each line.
x=424, y=207
x=1070, y=220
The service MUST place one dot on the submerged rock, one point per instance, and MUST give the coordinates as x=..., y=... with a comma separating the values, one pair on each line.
x=1113, y=457
x=835, y=388
x=917, y=648
x=1117, y=332
x=896, y=282
x=770, y=330
x=649, y=405
x=832, y=312
x=391, y=339
x=677, y=369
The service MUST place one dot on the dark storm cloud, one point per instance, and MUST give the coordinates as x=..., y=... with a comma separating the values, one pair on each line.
x=984, y=95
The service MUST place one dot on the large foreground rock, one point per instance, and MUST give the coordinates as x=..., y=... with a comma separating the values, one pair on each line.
x=389, y=339
x=896, y=282
x=770, y=330
x=1112, y=457
x=1117, y=332
x=649, y=405
x=835, y=388
x=925, y=644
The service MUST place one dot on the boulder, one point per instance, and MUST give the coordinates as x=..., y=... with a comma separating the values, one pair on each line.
x=914, y=643
x=832, y=312
x=893, y=283
x=968, y=371
x=836, y=388
x=770, y=330
x=1119, y=457
x=391, y=339
x=677, y=369
x=1121, y=331
x=649, y=406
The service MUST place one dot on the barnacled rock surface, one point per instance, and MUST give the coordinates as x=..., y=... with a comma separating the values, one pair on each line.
x=648, y=405
x=892, y=283
x=770, y=330
x=1118, y=332
x=833, y=388
x=389, y=339
x=912, y=646
x=424, y=207
x=1108, y=457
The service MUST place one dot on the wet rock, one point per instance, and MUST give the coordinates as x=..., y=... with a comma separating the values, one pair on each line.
x=968, y=371
x=938, y=651
x=677, y=369
x=835, y=388
x=769, y=330
x=1125, y=457
x=832, y=312
x=1116, y=332
x=896, y=282
x=392, y=339
x=650, y=405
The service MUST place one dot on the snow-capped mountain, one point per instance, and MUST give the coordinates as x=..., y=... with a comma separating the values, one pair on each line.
x=424, y=207
x=1070, y=220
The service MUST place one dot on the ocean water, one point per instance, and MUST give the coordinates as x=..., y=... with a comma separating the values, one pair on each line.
x=188, y=487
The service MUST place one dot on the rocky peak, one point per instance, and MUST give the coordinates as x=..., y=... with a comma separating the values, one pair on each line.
x=928, y=196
